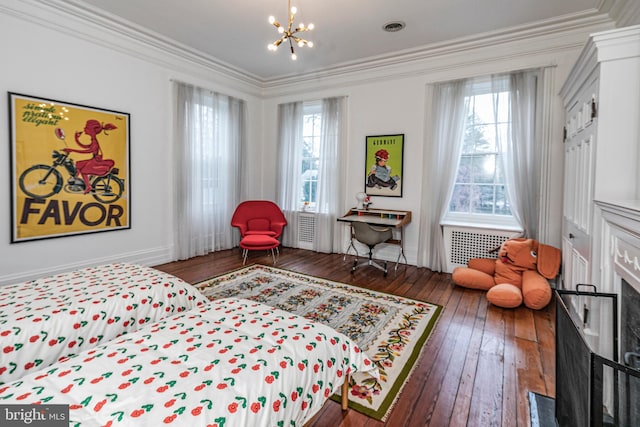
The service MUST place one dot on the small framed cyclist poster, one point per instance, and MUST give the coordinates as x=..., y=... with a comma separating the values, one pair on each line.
x=70, y=169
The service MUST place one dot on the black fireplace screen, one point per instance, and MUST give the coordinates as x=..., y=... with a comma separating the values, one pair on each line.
x=580, y=381
x=573, y=361
x=625, y=411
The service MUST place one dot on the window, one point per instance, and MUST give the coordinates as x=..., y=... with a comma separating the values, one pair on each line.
x=207, y=155
x=206, y=152
x=311, y=136
x=479, y=193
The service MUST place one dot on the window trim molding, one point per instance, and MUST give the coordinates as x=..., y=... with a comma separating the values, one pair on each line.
x=499, y=222
x=480, y=86
x=310, y=108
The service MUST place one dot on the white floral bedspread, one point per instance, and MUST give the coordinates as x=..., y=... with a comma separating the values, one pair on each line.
x=230, y=363
x=47, y=319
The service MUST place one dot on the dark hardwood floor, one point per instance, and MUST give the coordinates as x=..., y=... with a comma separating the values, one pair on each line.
x=476, y=368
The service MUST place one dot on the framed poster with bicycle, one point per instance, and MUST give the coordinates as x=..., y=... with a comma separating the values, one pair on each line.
x=70, y=169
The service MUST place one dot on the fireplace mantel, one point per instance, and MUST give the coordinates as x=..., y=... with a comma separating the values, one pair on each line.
x=623, y=214
x=623, y=243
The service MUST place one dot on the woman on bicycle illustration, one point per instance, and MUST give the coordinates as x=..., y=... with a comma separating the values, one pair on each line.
x=96, y=165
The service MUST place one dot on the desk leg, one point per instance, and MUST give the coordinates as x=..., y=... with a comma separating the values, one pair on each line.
x=351, y=245
x=401, y=254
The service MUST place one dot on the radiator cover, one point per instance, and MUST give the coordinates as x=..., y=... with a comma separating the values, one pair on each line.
x=306, y=230
x=463, y=243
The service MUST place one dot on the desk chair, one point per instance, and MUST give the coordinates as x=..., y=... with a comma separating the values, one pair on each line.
x=370, y=236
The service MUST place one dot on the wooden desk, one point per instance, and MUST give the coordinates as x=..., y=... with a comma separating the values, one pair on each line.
x=381, y=218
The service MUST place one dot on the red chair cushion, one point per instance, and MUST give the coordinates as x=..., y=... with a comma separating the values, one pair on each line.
x=259, y=242
x=258, y=224
x=261, y=233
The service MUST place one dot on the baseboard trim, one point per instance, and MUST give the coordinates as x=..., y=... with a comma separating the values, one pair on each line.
x=147, y=258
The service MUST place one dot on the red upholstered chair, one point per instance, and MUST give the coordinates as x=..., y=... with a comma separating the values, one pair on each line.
x=260, y=223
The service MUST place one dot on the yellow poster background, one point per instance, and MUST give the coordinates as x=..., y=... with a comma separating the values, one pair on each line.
x=42, y=126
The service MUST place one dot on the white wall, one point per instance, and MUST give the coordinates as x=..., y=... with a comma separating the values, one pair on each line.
x=50, y=54
x=392, y=99
x=112, y=73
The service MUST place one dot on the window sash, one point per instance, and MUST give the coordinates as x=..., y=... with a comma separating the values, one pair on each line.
x=310, y=149
x=479, y=189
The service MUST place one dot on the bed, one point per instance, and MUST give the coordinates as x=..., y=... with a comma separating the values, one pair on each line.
x=232, y=362
x=50, y=318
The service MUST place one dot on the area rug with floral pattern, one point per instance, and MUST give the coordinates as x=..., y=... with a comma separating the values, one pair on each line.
x=391, y=329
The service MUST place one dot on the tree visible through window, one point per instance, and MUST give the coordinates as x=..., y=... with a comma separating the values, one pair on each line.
x=480, y=182
x=311, y=133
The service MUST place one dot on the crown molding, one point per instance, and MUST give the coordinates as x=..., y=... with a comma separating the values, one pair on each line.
x=583, y=23
x=624, y=12
x=78, y=19
x=530, y=48
x=602, y=46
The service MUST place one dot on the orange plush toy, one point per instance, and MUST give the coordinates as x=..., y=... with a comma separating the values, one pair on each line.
x=518, y=275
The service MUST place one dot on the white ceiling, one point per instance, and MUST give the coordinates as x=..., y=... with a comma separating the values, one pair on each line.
x=346, y=31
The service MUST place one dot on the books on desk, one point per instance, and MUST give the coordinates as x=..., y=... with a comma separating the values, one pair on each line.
x=385, y=217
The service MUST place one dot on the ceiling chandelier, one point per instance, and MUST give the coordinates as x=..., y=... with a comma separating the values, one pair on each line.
x=289, y=33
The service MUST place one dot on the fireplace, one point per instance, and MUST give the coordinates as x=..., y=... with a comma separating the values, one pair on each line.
x=592, y=389
x=630, y=345
x=630, y=326
x=598, y=342
x=621, y=273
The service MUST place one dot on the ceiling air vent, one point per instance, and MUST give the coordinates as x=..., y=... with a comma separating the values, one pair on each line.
x=392, y=27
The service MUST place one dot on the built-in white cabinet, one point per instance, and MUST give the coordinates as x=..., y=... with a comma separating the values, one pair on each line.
x=602, y=134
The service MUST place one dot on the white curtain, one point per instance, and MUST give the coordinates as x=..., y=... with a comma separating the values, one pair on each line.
x=445, y=130
x=331, y=173
x=289, y=167
x=210, y=138
x=522, y=145
x=546, y=138
x=522, y=148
